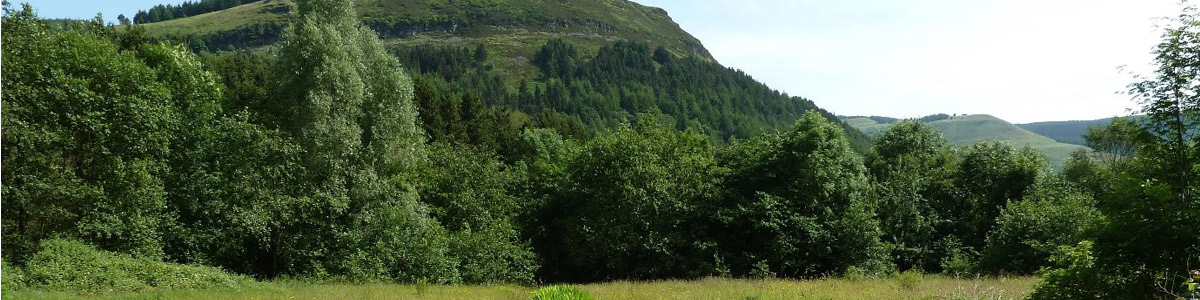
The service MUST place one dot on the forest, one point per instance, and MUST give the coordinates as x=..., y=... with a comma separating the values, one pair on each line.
x=135, y=164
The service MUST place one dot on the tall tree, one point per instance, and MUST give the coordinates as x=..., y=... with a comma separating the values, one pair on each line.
x=912, y=166
x=348, y=104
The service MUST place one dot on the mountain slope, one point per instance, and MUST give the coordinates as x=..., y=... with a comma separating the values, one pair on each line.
x=518, y=25
x=1070, y=132
x=579, y=66
x=969, y=129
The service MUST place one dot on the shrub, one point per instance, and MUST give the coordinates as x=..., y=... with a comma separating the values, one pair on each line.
x=68, y=265
x=1077, y=276
x=560, y=292
x=1027, y=232
x=12, y=277
x=909, y=280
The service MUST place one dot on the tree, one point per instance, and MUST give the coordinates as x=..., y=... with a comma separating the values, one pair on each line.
x=1052, y=214
x=467, y=190
x=990, y=175
x=123, y=20
x=1171, y=102
x=556, y=59
x=1147, y=241
x=912, y=168
x=796, y=205
x=348, y=104
x=1116, y=143
x=632, y=204
x=87, y=130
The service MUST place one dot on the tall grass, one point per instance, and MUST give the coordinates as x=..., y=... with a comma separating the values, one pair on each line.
x=910, y=286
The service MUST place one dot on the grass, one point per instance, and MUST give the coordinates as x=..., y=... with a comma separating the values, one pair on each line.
x=223, y=20
x=932, y=287
x=516, y=27
x=970, y=129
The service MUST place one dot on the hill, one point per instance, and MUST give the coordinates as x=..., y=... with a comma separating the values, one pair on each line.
x=579, y=67
x=969, y=129
x=1070, y=132
x=516, y=26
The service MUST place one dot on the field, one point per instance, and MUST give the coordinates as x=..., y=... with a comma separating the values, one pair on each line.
x=907, y=286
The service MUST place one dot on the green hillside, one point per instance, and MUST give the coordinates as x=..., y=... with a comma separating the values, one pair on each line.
x=1070, y=132
x=515, y=27
x=580, y=67
x=969, y=129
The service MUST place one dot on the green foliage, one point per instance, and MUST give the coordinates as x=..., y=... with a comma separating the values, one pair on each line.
x=1076, y=277
x=1147, y=237
x=989, y=176
x=1052, y=214
x=637, y=191
x=909, y=279
x=557, y=59
x=468, y=191
x=13, y=277
x=797, y=202
x=560, y=292
x=68, y=265
x=912, y=167
x=348, y=104
x=86, y=135
x=1117, y=142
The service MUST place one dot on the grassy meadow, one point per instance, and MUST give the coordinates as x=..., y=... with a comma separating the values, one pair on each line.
x=905, y=286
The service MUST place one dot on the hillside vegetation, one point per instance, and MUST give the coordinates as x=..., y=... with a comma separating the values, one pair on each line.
x=970, y=129
x=136, y=165
x=512, y=27
x=1070, y=132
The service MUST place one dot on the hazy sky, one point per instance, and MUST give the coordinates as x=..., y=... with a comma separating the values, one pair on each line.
x=1020, y=60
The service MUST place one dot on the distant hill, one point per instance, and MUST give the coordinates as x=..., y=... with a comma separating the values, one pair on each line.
x=965, y=130
x=1070, y=132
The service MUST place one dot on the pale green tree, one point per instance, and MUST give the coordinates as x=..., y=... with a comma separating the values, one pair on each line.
x=348, y=104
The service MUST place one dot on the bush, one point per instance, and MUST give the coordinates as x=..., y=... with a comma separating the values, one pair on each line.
x=12, y=277
x=493, y=256
x=909, y=280
x=1077, y=276
x=68, y=265
x=1027, y=232
x=560, y=292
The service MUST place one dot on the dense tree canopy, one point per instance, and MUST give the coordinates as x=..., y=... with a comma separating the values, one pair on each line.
x=326, y=158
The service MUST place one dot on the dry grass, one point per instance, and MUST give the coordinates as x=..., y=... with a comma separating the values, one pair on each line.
x=920, y=287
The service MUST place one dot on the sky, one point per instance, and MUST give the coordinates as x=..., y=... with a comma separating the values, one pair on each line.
x=1020, y=60
x=87, y=9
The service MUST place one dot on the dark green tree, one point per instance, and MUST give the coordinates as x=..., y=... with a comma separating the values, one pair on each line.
x=912, y=168
x=797, y=205
x=990, y=175
x=632, y=203
x=1053, y=214
x=87, y=129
